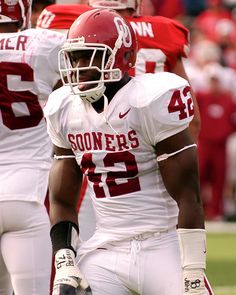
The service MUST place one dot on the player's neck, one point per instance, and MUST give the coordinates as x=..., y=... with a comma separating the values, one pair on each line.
x=111, y=90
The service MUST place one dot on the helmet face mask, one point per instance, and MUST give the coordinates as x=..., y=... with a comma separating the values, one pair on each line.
x=85, y=68
x=16, y=11
x=101, y=51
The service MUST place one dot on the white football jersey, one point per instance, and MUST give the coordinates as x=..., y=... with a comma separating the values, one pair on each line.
x=115, y=149
x=28, y=73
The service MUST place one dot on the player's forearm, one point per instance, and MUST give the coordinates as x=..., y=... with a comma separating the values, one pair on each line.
x=190, y=213
x=60, y=211
x=64, y=187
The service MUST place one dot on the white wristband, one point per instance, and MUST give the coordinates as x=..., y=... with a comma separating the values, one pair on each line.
x=192, y=243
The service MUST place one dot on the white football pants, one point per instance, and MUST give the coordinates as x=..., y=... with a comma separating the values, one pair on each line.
x=147, y=265
x=25, y=248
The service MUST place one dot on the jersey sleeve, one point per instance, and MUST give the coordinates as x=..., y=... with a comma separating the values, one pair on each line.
x=165, y=113
x=55, y=118
x=162, y=122
x=172, y=38
x=46, y=63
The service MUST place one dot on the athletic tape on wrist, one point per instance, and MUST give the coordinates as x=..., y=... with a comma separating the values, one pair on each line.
x=194, y=281
x=192, y=243
x=64, y=235
x=68, y=272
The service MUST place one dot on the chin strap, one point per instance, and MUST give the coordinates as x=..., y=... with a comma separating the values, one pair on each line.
x=117, y=46
x=92, y=95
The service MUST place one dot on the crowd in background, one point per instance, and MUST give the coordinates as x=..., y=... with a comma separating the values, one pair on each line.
x=211, y=68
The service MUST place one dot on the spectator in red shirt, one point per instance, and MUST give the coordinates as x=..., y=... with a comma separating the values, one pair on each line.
x=218, y=111
x=210, y=19
x=168, y=8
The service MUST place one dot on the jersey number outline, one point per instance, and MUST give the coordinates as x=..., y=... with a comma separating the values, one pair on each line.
x=112, y=177
x=178, y=105
x=8, y=97
x=149, y=60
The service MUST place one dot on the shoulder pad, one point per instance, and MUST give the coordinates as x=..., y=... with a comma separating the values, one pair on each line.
x=150, y=87
x=57, y=100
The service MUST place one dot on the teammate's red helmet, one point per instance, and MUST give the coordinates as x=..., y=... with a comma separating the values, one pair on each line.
x=136, y=5
x=16, y=11
x=104, y=31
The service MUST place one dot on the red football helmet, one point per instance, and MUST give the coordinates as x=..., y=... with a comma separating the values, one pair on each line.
x=136, y=5
x=16, y=11
x=103, y=32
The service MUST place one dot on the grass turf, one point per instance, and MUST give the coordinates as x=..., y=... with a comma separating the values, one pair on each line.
x=221, y=263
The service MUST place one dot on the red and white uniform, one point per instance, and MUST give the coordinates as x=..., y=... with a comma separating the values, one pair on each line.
x=119, y=151
x=28, y=73
x=161, y=41
x=115, y=150
x=60, y=16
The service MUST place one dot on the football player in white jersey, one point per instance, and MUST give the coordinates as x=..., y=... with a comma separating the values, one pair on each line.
x=130, y=137
x=162, y=42
x=162, y=45
x=28, y=73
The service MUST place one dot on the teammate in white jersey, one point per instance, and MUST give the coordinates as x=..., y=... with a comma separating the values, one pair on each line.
x=28, y=73
x=130, y=137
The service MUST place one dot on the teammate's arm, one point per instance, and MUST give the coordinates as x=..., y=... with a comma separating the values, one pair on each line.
x=195, y=124
x=180, y=176
x=64, y=185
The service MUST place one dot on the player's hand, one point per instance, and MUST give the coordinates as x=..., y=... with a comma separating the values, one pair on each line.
x=194, y=282
x=68, y=278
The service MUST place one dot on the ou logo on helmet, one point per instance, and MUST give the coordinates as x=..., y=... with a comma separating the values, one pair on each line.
x=121, y=26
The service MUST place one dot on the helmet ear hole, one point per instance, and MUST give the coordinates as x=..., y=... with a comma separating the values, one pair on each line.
x=127, y=56
x=130, y=58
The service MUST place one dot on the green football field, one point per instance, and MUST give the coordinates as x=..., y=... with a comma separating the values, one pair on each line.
x=221, y=262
